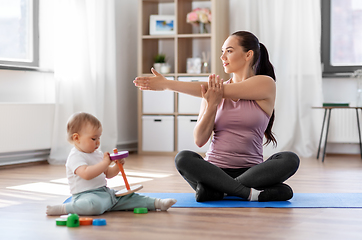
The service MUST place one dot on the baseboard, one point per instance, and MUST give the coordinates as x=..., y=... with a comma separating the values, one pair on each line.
x=343, y=155
x=129, y=146
x=21, y=157
x=21, y=165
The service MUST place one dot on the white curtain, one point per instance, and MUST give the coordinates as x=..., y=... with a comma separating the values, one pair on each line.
x=85, y=69
x=291, y=32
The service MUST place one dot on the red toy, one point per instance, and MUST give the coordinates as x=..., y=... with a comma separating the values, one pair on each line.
x=129, y=189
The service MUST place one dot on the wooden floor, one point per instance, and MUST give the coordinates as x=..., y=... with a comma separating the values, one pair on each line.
x=25, y=192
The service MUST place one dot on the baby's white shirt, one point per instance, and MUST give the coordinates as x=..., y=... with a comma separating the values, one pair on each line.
x=76, y=159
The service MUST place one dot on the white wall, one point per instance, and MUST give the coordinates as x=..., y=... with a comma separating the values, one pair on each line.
x=39, y=86
x=26, y=87
x=126, y=44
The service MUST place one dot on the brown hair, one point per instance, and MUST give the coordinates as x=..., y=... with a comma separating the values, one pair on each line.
x=77, y=121
x=261, y=66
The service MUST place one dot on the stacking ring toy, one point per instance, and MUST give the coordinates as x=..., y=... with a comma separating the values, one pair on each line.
x=129, y=189
x=118, y=155
x=99, y=222
x=85, y=221
x=140, y=210
x=61, y=221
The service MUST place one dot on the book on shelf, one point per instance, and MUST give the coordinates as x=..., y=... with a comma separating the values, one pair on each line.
x=335, y=104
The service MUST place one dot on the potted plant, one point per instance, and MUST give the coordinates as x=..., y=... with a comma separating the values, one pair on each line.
x=160, y=64
x=158, y=60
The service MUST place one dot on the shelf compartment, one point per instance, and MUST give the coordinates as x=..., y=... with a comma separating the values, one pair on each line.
x=192, y=48
x=184, y=7
x=158, y=133
x=154, y=7
x=153, y=46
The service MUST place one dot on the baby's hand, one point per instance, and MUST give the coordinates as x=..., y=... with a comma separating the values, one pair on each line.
x=107, y=158
x=121, y=161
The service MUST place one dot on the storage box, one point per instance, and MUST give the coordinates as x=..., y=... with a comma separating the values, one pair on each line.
x=189, y=104
x=158, y=101
x=185, y=137
x=158, y=133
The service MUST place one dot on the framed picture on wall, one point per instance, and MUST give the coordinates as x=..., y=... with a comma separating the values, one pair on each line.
x=162, y=24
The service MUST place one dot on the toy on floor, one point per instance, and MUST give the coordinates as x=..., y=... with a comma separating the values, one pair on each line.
x=129, y=189
x=140, y=210
x=99, y=222
x=85, y=221
x=73, y=220
x=61, y=221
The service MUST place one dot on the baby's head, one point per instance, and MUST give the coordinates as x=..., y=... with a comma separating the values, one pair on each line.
x=84, y=131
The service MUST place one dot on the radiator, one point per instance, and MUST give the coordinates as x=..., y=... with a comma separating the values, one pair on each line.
x=343, y=126
x=25, y=131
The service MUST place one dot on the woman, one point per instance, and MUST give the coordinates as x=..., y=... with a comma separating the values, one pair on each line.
x=240, y=112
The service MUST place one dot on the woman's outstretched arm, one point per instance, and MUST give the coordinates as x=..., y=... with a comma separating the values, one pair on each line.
x=258, y=87
x=157, y=82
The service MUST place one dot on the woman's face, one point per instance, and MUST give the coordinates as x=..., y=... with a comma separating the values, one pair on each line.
x=233, y=56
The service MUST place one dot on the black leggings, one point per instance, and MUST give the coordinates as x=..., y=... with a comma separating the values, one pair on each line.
x=236, y=182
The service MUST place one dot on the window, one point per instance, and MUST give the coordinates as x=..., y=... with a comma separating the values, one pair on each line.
x=19, y=33
x=341, y=36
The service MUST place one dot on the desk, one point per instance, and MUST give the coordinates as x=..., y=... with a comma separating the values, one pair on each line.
x=329, y=110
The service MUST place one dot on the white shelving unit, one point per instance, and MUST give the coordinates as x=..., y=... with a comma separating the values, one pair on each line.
x=163, y=116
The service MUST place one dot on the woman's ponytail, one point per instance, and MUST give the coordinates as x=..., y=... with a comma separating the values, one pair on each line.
x=264, y=67
x=261, y=66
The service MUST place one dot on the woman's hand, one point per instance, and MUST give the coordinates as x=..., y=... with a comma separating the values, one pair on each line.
x=156, y=83
x=214, y=92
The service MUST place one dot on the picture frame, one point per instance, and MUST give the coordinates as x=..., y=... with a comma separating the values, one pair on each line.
x=162, y=24
x=193, y=65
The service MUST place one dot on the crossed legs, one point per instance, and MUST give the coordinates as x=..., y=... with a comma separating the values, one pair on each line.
x=267, y=176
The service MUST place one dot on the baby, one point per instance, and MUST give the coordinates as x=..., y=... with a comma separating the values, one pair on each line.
x=87, y=169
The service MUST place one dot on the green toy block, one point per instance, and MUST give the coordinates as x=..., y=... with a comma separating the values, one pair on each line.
x=61, y=221
x=73, y=220
x=140, y=210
